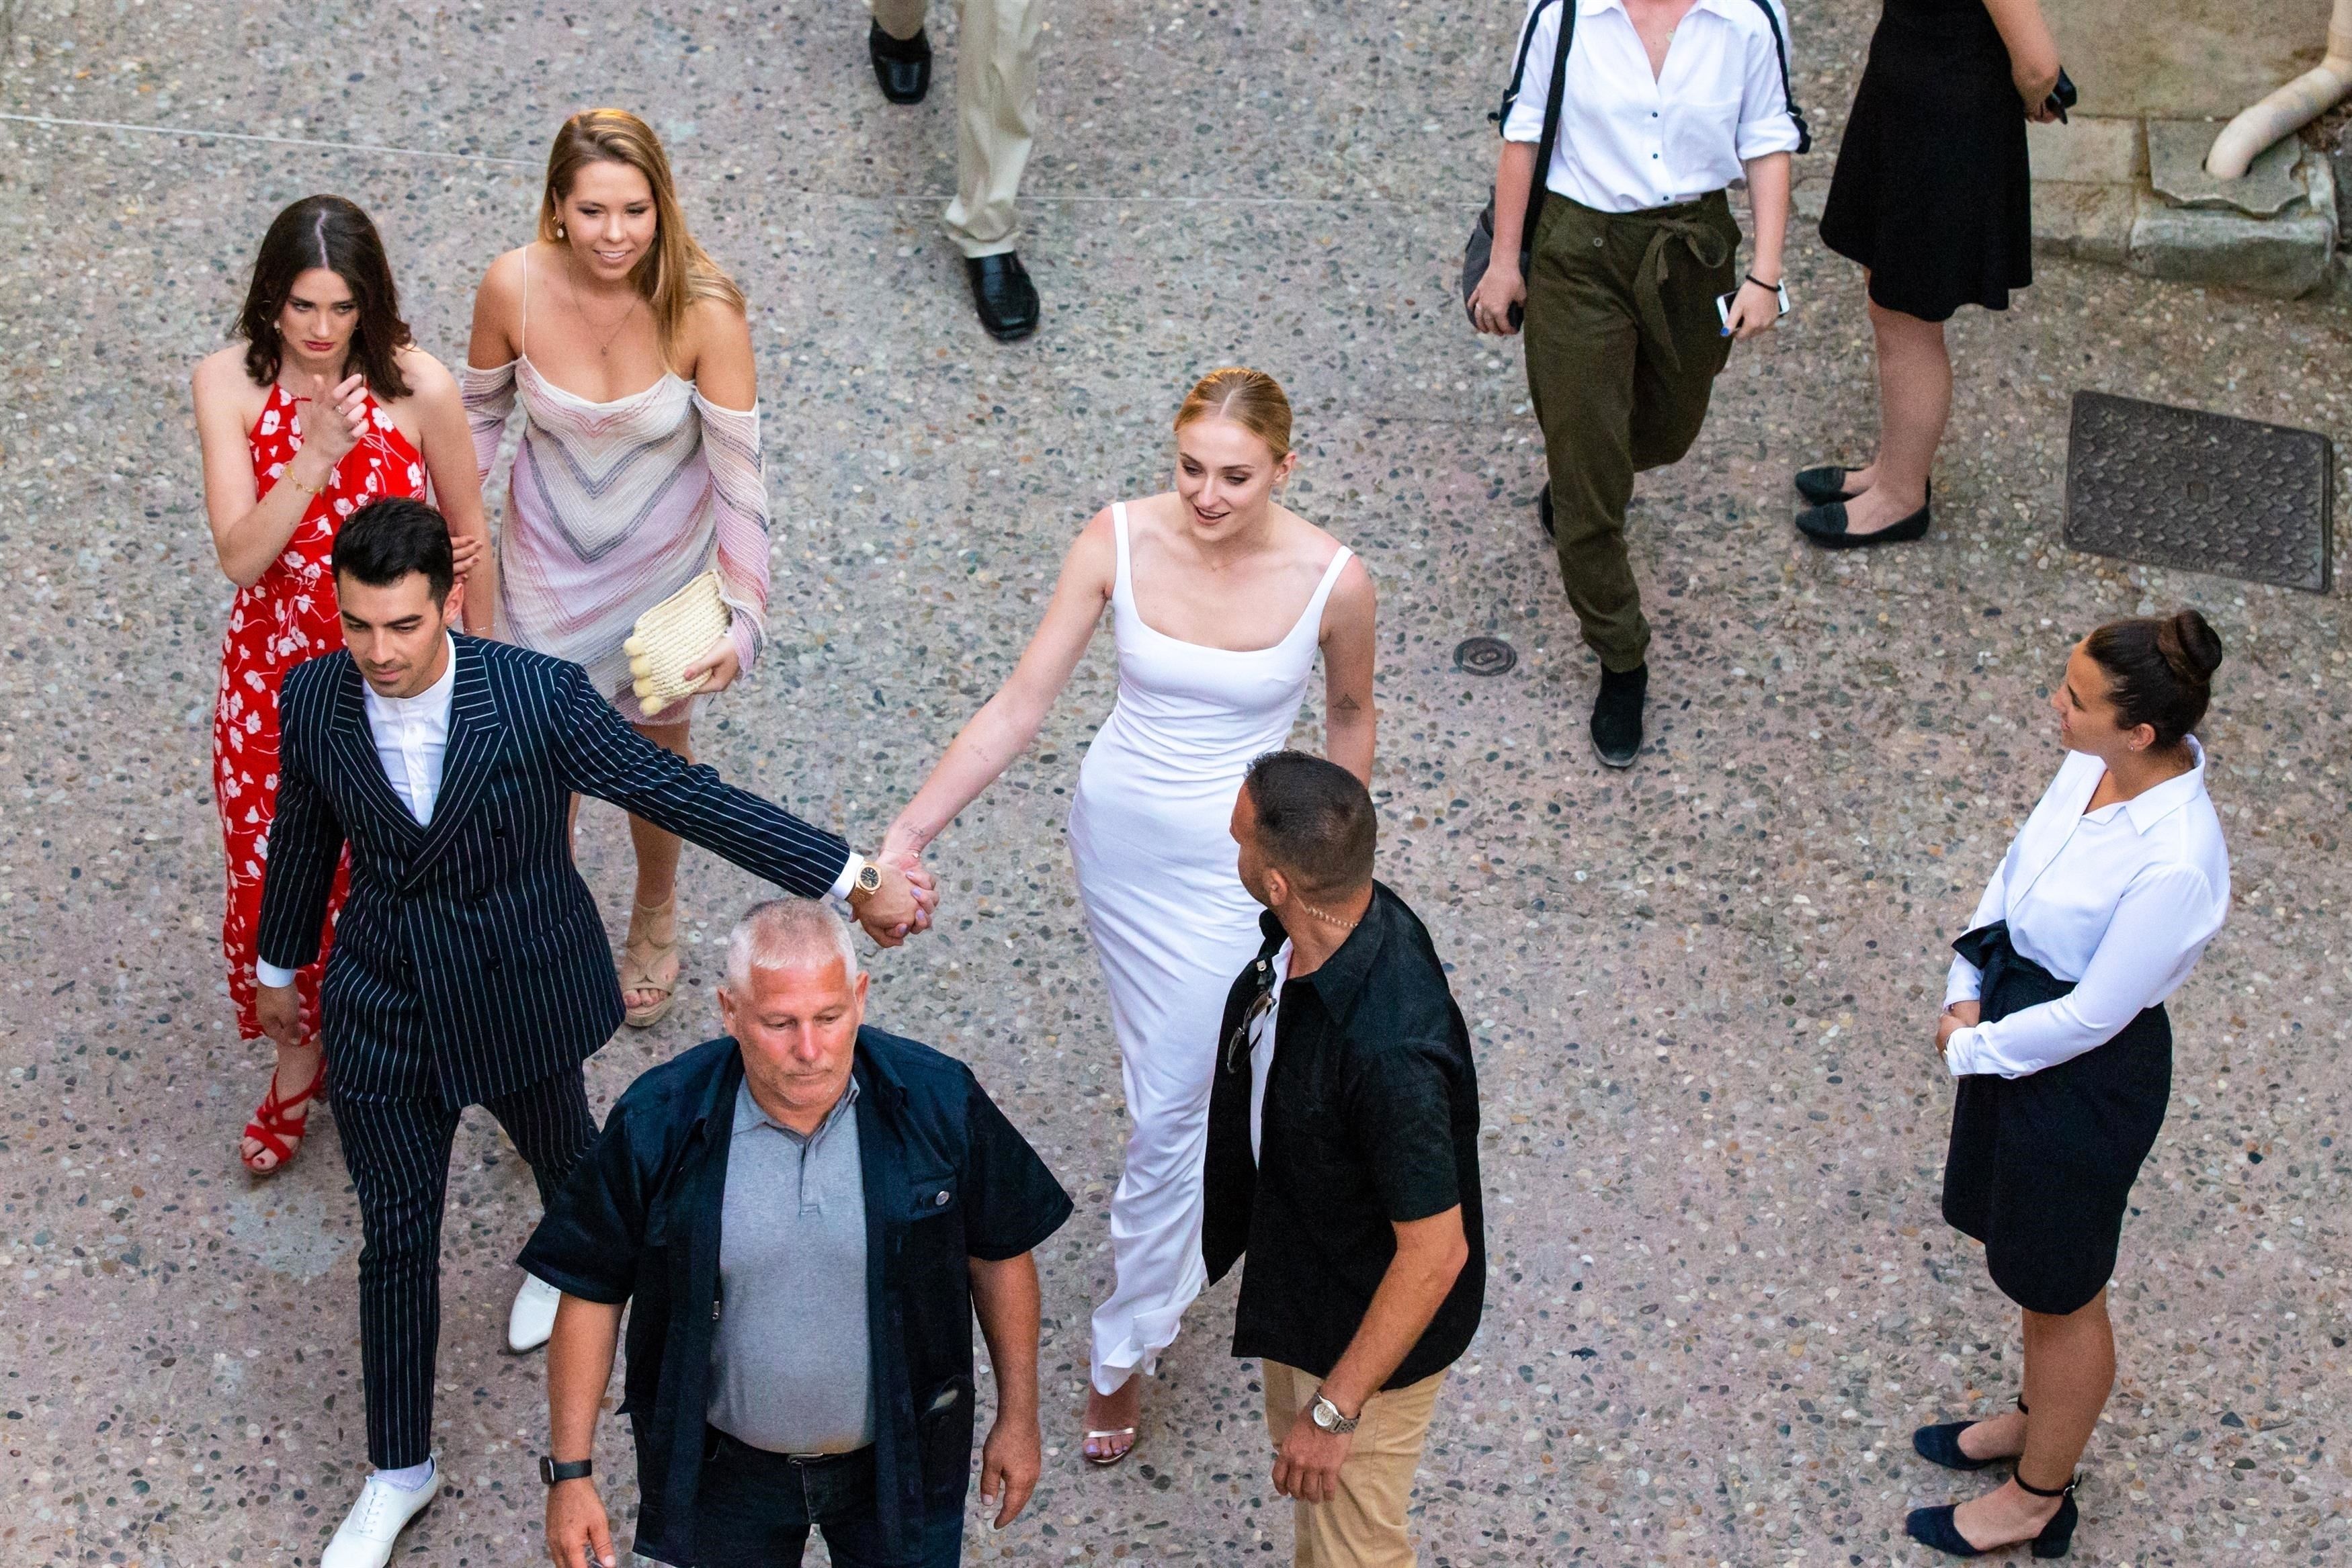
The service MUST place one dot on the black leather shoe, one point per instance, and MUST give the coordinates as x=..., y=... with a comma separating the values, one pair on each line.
x=1825, y=525
x=1002, y=292
x=1820, y=486
x=903, y=66
x=1543, y=510
x=1617, y=714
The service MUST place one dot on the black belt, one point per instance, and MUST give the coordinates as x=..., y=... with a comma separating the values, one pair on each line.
x=720, y=1444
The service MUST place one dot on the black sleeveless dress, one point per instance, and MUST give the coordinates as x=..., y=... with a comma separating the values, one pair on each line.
x=2041, y=1168
x=1932, y=192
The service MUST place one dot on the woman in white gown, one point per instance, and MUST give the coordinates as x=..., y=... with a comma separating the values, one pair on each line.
x=1220, y=597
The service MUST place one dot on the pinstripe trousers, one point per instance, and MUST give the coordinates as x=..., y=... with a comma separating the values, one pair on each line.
x=396, y=1148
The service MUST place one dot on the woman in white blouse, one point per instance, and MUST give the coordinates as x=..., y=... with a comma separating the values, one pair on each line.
x=1663, y=104
x=2054, y=1025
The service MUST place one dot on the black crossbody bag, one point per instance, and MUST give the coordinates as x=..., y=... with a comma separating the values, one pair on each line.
x=1480, y=250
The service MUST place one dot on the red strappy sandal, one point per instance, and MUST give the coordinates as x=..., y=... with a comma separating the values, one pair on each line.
x=271, y=1128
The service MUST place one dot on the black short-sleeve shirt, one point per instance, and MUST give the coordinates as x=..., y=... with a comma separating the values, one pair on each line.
x=1370, y=1119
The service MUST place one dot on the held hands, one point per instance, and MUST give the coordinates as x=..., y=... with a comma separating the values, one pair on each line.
x=1755, y=309
x=1491, y=301
x=1956, y=1018
x=1010, y=1463
x=281, y=1011
x=901, y=905
x=1306, y=1466
x=578, y=1535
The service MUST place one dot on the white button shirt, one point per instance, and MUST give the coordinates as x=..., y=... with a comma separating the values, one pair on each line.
x=412, y=737
x=2121, y=900
x=1629, y=141
x=1261, y=1040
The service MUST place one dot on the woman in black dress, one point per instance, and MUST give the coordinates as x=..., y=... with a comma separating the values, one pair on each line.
x=2055, y=1029
x=1932, y=197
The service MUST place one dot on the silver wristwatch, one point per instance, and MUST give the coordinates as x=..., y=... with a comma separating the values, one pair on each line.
x=1325, y=1414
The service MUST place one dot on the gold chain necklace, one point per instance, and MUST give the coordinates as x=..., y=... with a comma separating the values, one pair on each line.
x=1329, y=918
x=604, y=348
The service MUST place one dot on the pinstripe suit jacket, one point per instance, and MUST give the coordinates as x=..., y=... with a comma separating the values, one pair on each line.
x=470, y=960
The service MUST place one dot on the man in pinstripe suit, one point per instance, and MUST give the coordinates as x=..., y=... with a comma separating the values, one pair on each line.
x=469, y=966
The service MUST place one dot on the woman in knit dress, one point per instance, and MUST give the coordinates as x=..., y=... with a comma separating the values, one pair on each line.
x=639, y=468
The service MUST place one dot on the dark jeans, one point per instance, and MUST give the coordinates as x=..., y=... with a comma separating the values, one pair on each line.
x=755, y=1510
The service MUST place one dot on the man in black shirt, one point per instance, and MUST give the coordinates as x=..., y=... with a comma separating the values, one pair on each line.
x=1343, y=1157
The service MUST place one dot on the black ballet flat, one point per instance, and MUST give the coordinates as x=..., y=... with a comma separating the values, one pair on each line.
x=1825, y=525
x=1941, y=1445
x=1543, y=510
x=1821, y=485
x=1933, y=1527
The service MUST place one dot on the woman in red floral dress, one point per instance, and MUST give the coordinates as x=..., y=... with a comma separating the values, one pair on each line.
x=327, y=406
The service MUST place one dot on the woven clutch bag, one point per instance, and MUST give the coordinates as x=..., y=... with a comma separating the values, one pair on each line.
x=672, y=635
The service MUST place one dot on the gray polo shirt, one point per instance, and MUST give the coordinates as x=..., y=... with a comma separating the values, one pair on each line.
x=789, y=1368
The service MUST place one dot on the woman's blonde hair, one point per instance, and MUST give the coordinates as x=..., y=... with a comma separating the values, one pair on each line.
x=1251, y=399
x=677, y=271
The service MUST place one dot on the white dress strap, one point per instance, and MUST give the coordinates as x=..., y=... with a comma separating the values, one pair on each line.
x=1311, y=618
x=1122, y=586
x=522, y=333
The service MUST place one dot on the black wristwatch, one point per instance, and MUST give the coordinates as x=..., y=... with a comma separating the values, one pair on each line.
x=551, y=1469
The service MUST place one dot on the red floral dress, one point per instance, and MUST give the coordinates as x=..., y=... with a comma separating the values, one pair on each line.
x=285, y=618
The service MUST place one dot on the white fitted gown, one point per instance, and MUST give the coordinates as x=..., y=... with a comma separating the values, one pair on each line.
x=1150, y=831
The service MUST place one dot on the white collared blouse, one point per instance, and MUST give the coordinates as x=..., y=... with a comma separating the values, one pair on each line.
x=2121, y=900
x=1630, y=140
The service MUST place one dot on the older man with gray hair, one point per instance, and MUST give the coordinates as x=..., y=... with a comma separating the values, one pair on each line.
x=806, y=1214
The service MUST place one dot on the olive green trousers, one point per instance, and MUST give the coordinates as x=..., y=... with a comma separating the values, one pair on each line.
x=1624, y=345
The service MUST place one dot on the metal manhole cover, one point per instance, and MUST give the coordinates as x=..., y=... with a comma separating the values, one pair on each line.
x=2181, y=488
x=1484, y=656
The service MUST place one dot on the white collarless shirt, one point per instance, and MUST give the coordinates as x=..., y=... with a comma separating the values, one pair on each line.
x=2121, y=900
x=412, y=737
x=1261, y=1039
x=1630, y=140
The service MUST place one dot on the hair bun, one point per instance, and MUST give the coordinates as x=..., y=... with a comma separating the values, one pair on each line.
x=2190, y=646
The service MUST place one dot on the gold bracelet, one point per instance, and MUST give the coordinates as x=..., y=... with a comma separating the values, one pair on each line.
x=306, y=489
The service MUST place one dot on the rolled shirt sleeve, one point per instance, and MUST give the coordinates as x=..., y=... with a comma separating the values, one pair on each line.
x=2145, y=954
x=1765, y=126
x=1525, y=122
x=1011, y=1200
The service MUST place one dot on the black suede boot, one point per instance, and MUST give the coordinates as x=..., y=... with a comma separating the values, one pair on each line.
x=1617, y=714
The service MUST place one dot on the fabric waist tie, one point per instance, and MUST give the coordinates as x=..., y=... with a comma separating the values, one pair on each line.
x=1694, y=225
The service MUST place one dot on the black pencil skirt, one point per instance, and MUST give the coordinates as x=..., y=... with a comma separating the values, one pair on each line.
x=2041, y=1168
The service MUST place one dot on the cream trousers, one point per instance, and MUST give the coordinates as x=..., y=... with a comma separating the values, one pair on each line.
x=996, y=110
x=1363, y=1526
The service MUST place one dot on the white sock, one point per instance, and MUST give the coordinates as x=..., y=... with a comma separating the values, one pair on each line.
x=411, y=1479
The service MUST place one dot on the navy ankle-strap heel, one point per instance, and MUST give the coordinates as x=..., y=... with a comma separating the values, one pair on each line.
x=1933, y=1527
x=1941, y=1445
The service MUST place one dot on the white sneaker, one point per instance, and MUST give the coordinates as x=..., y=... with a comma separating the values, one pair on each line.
x=532, y=1317
x=364, y=1537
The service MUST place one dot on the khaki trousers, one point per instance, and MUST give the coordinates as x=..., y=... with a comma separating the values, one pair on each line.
x=996, y=110
x=1623, y=346
x=1363, y=1526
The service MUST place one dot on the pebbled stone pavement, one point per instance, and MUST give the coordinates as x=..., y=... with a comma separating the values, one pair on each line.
x=1702, y=990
